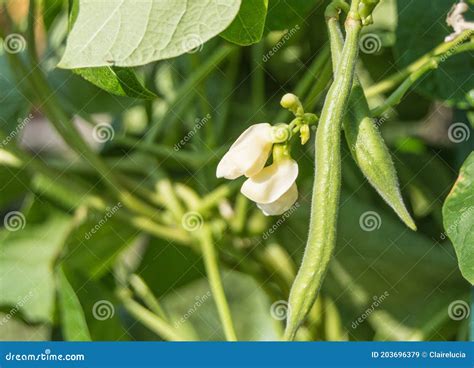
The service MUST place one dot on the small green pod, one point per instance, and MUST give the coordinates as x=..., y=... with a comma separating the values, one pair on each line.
x=367, y=146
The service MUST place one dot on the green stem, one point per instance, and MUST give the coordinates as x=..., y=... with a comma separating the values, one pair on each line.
x=152, y=321
x=210, y=139
x=144, y=293
x=212, y=269
x=184, y=95
x=31, y=35
x=446, y=48
x=188, y=159
x=258, y=81
x=395, y=98
x=314, y=95
x=327, y=183
x=314, y=71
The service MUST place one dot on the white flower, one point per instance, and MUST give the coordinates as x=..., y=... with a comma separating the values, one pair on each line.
x=274, y=187
x=456, y=20
x=248, y=155
x=282, y=204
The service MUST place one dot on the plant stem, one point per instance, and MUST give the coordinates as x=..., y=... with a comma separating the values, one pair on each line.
x=184, y=95
x=315, y=71
x=155, y=323
x=211, y=263
x=144, y=293
x=397, y=95
x=188, y=159
x=447, y=48
x=314, y=95
x=258, y=81
x=327, y=183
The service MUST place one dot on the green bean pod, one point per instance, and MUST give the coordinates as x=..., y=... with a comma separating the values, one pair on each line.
x=367, y=146
x=327, y=186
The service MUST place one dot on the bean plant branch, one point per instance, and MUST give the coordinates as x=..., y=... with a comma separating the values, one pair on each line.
x=446, y=48
x=327, y=183
x=211, y=263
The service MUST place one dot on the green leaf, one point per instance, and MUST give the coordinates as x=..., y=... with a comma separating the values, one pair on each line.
x=26, y=262
x=116, y=80
x=458, y=217
x=247, y=27
x=130, y=33
x=420, y=29
x=73, y=322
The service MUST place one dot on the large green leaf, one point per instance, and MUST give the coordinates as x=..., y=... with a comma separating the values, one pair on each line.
x=458, y=217
x=129, y=33
x=421, y=27
x=247, y=27
x=26, y=260
x=73, y=322
x=116, y=80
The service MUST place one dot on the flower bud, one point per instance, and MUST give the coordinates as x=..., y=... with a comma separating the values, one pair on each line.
x=292, y=102
x=304, y=133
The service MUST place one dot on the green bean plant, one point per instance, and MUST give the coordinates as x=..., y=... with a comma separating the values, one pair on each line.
x=236, y=170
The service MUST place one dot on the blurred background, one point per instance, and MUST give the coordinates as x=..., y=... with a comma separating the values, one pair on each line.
x=76, y=263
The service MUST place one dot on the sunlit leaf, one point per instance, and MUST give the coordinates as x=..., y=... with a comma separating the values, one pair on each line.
x=116, y=80
x=129, y=33
x=73, y=322
x=458, y=216
x=247, y=27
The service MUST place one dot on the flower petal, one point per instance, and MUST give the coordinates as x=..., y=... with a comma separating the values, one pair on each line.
x=249, y=153
x=282, y=204
x=272, y=182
